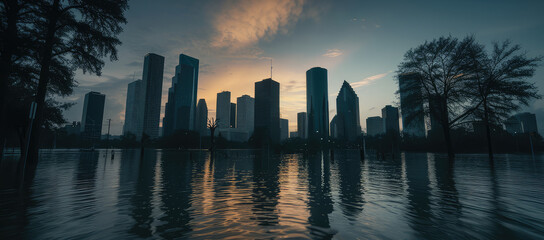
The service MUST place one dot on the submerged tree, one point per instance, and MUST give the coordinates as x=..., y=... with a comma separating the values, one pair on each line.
x=212, y=125
x=502, y=86
x=72, y=35
x=446, y=67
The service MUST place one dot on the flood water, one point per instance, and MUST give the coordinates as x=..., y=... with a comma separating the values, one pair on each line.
x=250, y=194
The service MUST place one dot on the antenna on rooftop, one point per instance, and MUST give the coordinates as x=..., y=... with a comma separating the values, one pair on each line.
x=270, y=68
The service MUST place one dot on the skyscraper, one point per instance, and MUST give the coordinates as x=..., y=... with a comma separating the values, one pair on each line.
x=151, y=95
x=347, y=112
x=317, y=104
x=93, y=113
x=223, y=109
x=522, y=123
x=245, y=113
x=334, y=127
x=201, y=117
x=232, y=115
x=180, y=112
x=132, y=108
x=302, y=127
x=374, y=126
x=284, y=129
x=411, y=104
x=267, y=110
x=390, y=117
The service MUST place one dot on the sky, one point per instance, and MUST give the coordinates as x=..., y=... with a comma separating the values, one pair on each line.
x=361, y=42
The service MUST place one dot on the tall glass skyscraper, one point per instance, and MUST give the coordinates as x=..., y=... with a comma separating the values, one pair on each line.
x=132, y=108
x=223, y=109
x=390, y=117
x=245, y=113
x=93, y=113
x=267, y=111
x=151, y=95
x=317, y=103
x=347, y=114
x=411, y=104
x=302, y=121
x=180, y=112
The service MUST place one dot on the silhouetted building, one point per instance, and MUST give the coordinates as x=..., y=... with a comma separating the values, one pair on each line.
x=411, y=104
x=348, y=123
x=151, y=95
x=317, y=104
x=284, y=129
x=374, y=126
x=522, y=123
x=293, y=134
x=390, y=117
x=302, y=125
x=201, y=117
x=245, y=113
x=180, y=111
x=334, y=127
x=132, y=108
x=223, y=109
x=232, y=115
x=267, y=110
x=93, y=113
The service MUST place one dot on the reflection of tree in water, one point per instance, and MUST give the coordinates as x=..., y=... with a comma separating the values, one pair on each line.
x=141, y=199
x=176, y=194
x=320, y=200
x=265, y=189
x=351, y=191
x=448, y=199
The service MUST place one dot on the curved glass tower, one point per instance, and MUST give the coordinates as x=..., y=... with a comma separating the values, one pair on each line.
x=317, y=103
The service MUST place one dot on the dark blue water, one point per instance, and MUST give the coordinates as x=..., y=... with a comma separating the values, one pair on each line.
x=248, y=195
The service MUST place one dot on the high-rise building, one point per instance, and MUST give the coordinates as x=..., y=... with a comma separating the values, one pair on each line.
x=284, y=129
x=293, y=134
x=245, y=113
x=201, y=117
x=411, y=104
x=223, y=109
x=317, y=103
x=232, y=115
x=390, y=117
x=93, y=113
x=151, y=95
x=180, y=111
x=132, y=108
x=334, y=127
x=302, y=125
x=267, y=110
x=374, y=126
x=522, y=123
x=347, y=112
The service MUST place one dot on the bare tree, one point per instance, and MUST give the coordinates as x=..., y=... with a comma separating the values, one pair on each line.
x=446, y=71
x=212, y=125
x=502, y=85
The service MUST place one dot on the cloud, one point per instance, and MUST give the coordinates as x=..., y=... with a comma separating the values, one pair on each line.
x=368, y=80
x=245, y=22
x=332, y=53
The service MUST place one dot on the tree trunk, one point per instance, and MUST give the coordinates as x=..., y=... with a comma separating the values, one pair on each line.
x=45, y=62
x=488, y=132
x=10, y=45
x=447, y=139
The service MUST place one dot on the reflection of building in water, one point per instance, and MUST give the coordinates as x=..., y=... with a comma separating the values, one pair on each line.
x=266, y=190
x=141, y=206
x=85, y=181
x=351, y=191
x=319, y=191
x=417, y=179
x=175, y=195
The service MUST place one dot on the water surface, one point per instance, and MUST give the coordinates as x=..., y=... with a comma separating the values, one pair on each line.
x=249, y=194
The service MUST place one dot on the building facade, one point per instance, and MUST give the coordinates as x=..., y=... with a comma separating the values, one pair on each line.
x=374, y=126
x=201, y=117
x=245, y=113
x=411, y=105
x=390, y=117
x=132, y=108
x=232, y=121
x=317, y=103
x=223, y=109
x=151, y=95
x=93, y=114
x=347, y=112
x=284, y=129
x=267, y=111
x=302, y=125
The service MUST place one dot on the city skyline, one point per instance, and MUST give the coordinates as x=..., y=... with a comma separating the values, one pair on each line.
x=365, y=56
